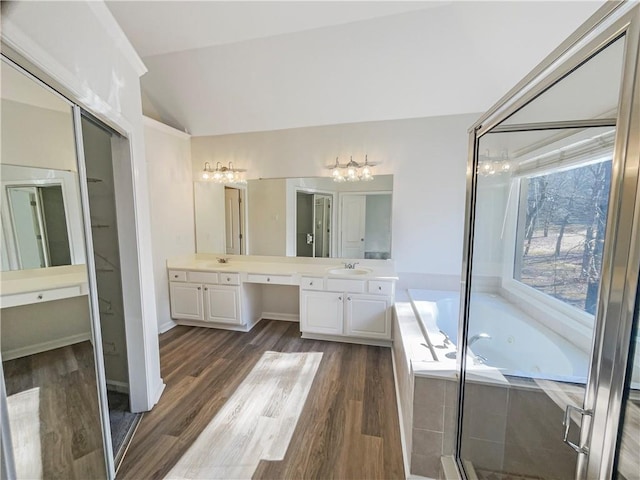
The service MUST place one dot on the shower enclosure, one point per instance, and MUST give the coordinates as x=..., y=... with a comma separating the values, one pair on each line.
x=552, y=240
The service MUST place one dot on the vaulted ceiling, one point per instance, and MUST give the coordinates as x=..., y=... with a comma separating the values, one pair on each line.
x=231, y=67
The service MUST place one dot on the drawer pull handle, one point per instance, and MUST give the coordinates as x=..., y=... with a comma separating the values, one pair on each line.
x=40, y=296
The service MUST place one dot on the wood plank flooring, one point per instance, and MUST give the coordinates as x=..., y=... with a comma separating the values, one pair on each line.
x=348, y=428
x=53, y=410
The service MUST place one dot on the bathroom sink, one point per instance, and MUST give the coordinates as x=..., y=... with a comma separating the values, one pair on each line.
x=349, y=271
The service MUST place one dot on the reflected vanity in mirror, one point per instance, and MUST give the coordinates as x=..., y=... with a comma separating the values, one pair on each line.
x=50, y=370
x=295, y=217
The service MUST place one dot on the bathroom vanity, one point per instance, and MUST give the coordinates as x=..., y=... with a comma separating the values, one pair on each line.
x=334, y=302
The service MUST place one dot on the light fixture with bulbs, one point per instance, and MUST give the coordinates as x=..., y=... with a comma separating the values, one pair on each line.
x=352, y=171
x=488, y=165
x=222, y=174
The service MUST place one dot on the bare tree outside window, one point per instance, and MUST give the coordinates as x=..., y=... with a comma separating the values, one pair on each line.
x=563, y=233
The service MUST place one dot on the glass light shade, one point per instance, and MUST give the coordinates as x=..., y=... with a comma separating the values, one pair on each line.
x=366, y=174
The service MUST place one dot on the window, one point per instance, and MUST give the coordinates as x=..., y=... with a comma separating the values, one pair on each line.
x=562, y=216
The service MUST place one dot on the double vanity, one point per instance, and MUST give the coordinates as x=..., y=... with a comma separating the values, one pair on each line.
x=331, y=300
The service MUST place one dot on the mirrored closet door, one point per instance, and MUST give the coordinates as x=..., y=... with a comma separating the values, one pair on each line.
x=50, y=340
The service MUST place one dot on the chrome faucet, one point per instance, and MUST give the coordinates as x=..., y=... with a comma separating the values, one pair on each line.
x=477, y=337
x=222, y=260
x=350, y=266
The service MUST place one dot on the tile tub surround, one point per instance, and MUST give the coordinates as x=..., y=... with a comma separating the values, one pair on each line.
x=426, y=391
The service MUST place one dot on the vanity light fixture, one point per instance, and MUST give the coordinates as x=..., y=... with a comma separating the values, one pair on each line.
x=223, y=174
x=488, y=166
x=352, y=171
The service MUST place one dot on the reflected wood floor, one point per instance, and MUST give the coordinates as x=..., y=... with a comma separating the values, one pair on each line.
x=348, y=428
x=65, y=420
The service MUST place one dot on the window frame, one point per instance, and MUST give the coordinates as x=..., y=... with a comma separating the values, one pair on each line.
x=555, y=310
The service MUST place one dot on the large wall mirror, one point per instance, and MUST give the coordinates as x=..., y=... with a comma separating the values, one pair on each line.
x=296, y=217
x=47, y=343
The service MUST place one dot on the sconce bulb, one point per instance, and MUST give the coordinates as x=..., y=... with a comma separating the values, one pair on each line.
x=205, y=176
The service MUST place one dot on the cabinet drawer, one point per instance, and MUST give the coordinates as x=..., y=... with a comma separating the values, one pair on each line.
x=345, y=285
x=41, y=296
x=380, y=287
x=177, y=276
x=312, y=283
x=229, y=278
x=203, y=277
x=271, y=279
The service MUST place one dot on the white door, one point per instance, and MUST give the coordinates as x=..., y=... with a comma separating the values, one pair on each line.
x=368, y=316
x=232, y=221
x=186, y=301
x=321, y=312
x=353, y=224
x=222, y=304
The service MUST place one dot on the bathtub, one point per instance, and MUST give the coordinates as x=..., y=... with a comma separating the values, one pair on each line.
x=519, y=346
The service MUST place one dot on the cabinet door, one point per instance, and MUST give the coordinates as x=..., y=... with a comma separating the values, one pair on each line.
x=368, y=316
x=222, y=304
x=321, y=312
x=186, y=301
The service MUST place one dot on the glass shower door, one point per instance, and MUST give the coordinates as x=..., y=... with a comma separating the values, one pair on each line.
x=550, y=201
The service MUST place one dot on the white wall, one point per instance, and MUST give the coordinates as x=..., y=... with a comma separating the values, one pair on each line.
x=80, y=49
x=209, y=214
x=426, y=156
x=267, y=206
x=172, y=213
x=37, y=137
x=39, y=327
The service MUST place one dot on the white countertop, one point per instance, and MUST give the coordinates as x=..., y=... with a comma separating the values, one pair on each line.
x=316, y=267
x=23, y=281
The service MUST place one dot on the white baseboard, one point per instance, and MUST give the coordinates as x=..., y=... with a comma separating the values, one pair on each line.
x=156, y=399
x=45, y=346
x=403, y=443
x=285, y=317
x=341, y=339
x=165, y=327
x=116, y=386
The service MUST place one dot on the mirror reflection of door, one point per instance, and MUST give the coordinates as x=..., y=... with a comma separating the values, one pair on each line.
x=354, y=209
x=233, y=221
x=313, y=224
x=39, y=226
x=304, y=225
x=322, y=226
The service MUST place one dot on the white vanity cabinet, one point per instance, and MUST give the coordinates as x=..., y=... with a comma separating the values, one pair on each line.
x=321, y=312
x=222, y=304
x=340, y=308
x=210, y=297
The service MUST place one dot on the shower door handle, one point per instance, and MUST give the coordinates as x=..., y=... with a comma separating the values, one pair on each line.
x=566, y=422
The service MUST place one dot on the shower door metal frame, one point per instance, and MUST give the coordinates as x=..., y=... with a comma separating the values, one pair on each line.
x=621, y=258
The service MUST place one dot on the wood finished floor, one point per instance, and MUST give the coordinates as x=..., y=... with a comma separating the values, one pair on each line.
x=348, y=428
x=67, y=419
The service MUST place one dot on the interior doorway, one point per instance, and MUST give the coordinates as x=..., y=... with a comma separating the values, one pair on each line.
x=97, y=141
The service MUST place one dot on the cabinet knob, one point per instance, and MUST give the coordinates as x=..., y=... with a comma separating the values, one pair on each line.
x=339, y=298
x=379, y=288
x=205, y=289
x=175, y=276
x=349, y=298
x=268, y=279
x=40, y=296
x=310, y=283
x=199, y=288
x=228, y=279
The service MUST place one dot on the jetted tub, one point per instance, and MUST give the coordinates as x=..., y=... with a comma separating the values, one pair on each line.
x=519, y=345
